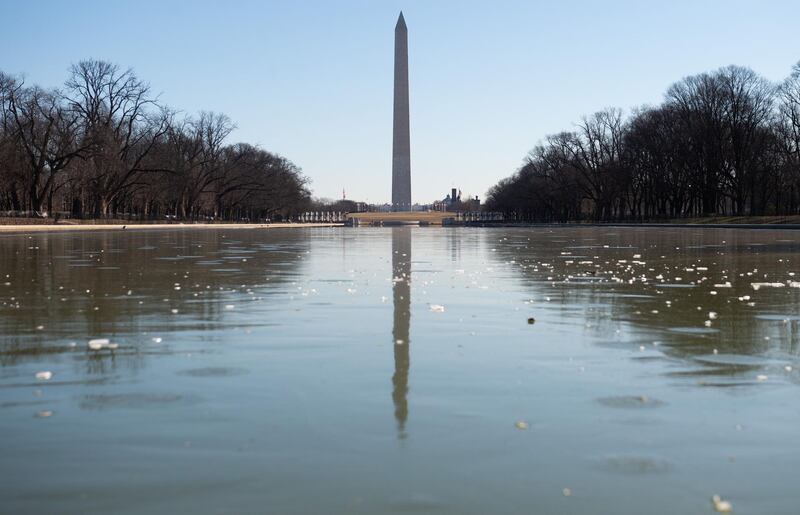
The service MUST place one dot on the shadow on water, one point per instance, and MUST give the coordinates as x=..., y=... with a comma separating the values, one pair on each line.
x=401, y=298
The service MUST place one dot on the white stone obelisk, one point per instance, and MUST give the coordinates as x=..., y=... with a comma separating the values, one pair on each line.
x=401, y=142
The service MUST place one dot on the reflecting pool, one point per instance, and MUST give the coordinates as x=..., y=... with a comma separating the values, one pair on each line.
x=393, y=370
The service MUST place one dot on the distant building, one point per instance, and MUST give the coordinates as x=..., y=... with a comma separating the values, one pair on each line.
x=453, y=202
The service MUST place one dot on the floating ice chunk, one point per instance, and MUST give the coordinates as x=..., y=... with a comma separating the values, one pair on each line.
x=720, y=505
x=98, y=343
x=756, y=286
x=102, y=343
x=44, y=375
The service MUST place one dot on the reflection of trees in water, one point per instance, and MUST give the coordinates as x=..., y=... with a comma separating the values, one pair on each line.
x=401, y=298
x=49, y=275
x=605, y=306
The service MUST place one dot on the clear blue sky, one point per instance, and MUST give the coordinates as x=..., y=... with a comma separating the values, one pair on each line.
x=312, y=80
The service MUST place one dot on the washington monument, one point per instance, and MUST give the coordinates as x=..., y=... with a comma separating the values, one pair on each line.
x=401, y=142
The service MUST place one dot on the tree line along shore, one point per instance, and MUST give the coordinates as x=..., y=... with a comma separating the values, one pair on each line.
x=103, y=146
x=724, y=143
x=721, y=144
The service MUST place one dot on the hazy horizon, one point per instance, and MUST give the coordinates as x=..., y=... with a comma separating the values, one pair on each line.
x=313, y=82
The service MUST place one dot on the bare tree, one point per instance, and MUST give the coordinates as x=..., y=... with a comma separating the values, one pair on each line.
x=45, y=132
x=121, y=121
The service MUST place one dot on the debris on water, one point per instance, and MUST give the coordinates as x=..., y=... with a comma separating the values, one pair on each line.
x=229, y=306
x=39, y=327
x=788, y=368
x=174, y=311
x=566, y=492
x=44, y=414
x=707, y=323
x=399, y=342
x=721, y=505
x=44, y=375
x=531, y=320
x=761, y=377
x=712, y=315
x=437, y=308
x=521, y=425
x=157, y=339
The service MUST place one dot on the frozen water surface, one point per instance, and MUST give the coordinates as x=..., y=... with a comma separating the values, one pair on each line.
x=392, y=370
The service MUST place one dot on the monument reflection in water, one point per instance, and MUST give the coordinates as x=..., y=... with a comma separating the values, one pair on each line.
x=401, y=297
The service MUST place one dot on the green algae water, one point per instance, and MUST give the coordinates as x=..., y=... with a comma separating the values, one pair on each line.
x=396, y=370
